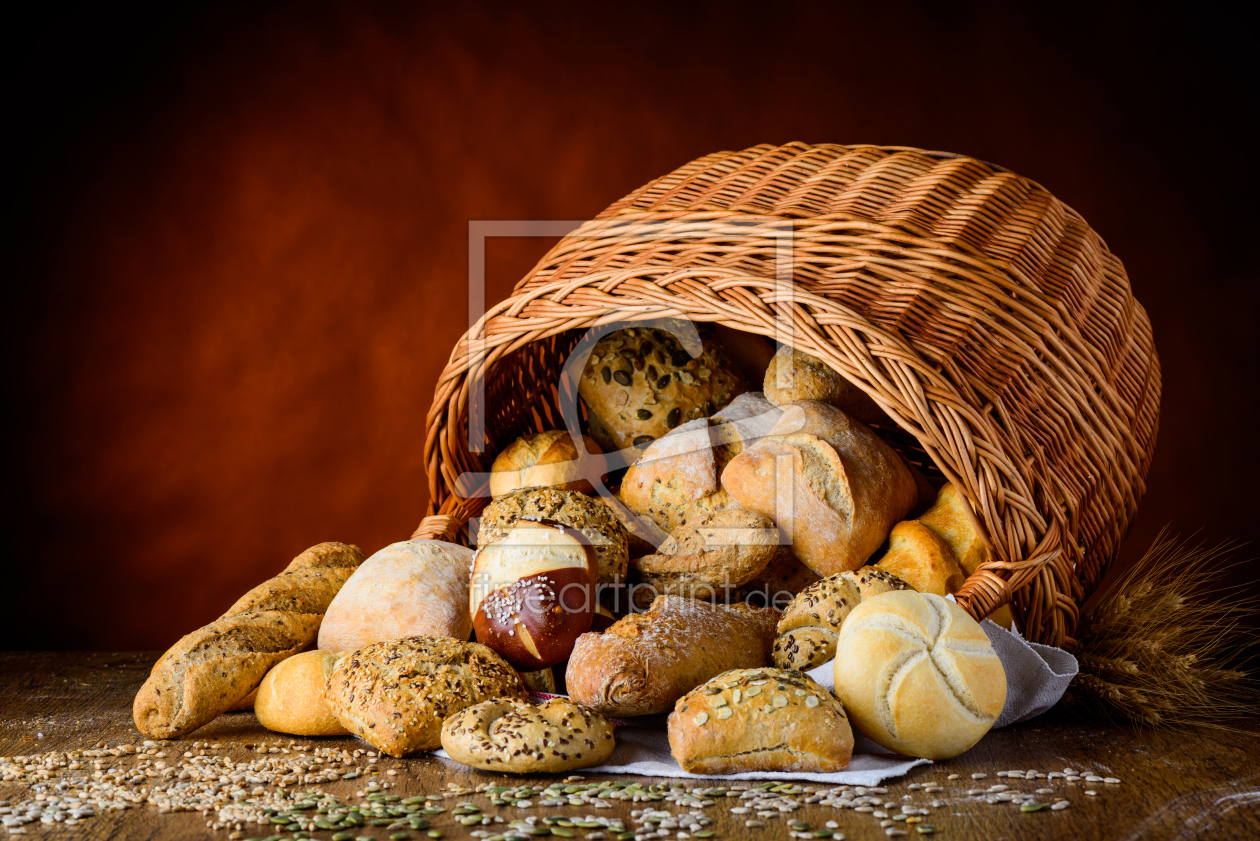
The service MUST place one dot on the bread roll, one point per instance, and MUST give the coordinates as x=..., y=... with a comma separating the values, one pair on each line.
x=548, y=459
x=291, y=696
x=952, y=519
x=647, y=661
x=516, y=737
x=811, y=622
x=395, y=695
x=209, y=671
x=412, y=588
x=748, y=419
x=918, y=675
x=639, y=383
x=793, y=376
x=918, y=556
x=533, y=593
x=676, y=478
x=708, y=557
x=760, y=720
x=597, y=523
x=938, y=551
x=830, y=484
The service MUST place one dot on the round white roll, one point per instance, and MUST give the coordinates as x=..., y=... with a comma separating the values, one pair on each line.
x=917, y=674
x=412, y=588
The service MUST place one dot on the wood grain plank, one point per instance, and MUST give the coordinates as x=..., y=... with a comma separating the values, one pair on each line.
x=1177, y=784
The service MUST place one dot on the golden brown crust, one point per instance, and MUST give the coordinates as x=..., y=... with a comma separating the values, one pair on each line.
x=831, y=485
x=760, y=720
x=592, y=518
x=639, y=383
x=516, y=737
x=952, y=519
x=645, y=661
x=918, y=675
x=919, y=556
x=709, y=556
x=548, y=459
x=793, y=375
x=826, y=603
x=812, y=621
x=291, y=696
x=394, y=695
x=211, y=670
x=805, y=648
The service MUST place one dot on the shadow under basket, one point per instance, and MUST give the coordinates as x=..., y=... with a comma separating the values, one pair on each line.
x=983, y=315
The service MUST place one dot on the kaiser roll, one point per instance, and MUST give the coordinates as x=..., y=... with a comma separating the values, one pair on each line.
x=918, y=675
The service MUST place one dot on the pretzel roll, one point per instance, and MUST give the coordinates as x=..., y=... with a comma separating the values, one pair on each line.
x=533, y=593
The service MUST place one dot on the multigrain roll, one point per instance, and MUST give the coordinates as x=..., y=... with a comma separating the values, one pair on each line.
x=395, y=695
x=639, y=383
x=646, y=661
x=595, y=520
x=516, y=737
x=291, y=696
x=760, y=720
x=812, y=621
x=918, y=675
x=676, y=479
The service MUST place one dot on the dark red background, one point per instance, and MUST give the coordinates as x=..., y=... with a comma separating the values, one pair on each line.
x=240, y=256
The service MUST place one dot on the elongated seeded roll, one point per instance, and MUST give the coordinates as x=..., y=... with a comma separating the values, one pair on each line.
x=209, y=671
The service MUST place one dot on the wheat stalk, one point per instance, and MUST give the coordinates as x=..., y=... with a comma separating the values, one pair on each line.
x=1165, y=646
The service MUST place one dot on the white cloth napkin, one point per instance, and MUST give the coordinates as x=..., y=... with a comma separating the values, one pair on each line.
x=1036, y=677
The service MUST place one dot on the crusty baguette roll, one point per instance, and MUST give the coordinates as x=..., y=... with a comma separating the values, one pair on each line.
x=411, y=588
x=291, y=696
x=395, y=695
x=548, y=459
x=594, y=519
x=831, y=485
x=209, y=671
x=676, y=478
x=918, y=675
x=793, y=376
x=708, y=557
x=647, y=661
x=760, y=720
x=639, y=383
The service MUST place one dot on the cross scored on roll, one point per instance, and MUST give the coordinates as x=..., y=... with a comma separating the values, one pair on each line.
x=918, y=675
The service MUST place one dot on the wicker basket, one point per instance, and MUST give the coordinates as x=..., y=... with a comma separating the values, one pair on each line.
x=982, y=314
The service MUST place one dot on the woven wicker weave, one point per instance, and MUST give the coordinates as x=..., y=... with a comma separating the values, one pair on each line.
x=985, y=317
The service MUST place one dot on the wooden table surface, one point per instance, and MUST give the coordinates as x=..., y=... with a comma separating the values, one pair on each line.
x=1174, y=784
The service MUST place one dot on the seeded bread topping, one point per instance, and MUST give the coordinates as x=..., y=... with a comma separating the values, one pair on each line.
x=759, y=719
x=589, y=516
x=811, y=622
x=519, y=738
x=640, y=382
x=395, y=695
